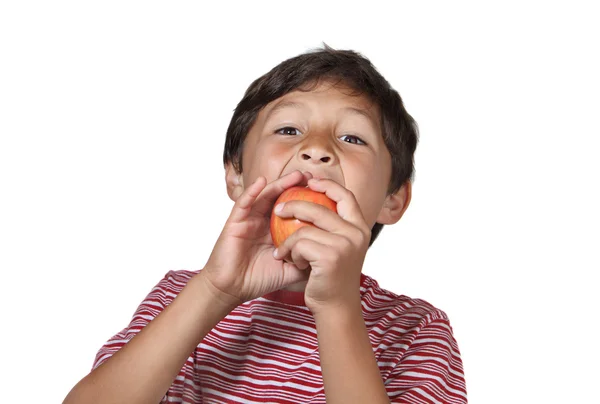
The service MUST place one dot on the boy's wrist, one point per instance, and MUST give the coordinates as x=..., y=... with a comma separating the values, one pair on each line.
x=341, y=314
x=220, y=302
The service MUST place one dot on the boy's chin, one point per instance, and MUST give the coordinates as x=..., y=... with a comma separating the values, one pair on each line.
x=296, y=287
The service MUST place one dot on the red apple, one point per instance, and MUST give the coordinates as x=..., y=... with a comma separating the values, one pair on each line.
x=282, y=228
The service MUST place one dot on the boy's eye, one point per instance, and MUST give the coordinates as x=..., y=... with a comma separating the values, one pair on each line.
x=291, y=131
x=353, y=139
x=288, y=130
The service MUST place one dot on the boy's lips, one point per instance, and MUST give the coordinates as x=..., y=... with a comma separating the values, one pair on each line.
x=316, y=175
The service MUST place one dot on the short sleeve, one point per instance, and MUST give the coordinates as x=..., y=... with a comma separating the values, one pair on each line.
x=430, y=370
x=159, y=297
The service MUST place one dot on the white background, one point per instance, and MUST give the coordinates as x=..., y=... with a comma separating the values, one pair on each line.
x=112, y=123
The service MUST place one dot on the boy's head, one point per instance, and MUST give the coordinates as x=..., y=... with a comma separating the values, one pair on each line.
x=331, y=113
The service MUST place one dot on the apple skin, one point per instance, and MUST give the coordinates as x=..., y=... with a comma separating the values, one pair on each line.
x=282, y=228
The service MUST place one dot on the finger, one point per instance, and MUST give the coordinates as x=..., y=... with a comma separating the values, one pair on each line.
x=269, y=195
x=255, y=194
x=284, y=251
x=292, y=274
x=244, y=203
x=314, y=213
x=347, y=205
x=306, y=251
x=298, y=260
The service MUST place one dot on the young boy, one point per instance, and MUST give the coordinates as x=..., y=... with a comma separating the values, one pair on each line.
x=300, y=323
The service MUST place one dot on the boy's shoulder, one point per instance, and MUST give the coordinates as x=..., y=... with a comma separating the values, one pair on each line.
x=172, y=283
x=181, y=276
x=378, y=301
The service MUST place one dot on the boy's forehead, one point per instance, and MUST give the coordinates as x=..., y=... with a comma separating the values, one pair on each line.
x=345, y=96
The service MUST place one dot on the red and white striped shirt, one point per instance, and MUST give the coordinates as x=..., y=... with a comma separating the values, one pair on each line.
x=266, y=349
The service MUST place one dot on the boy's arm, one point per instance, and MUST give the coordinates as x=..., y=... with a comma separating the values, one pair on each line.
x=430, y=370
x=241, y=267
x=350, y=371
x=143, y=370
x=334, y=249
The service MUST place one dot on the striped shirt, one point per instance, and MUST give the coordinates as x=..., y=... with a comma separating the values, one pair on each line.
x=265, y=350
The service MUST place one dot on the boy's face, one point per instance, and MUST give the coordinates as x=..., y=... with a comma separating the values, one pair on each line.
x=330, y=133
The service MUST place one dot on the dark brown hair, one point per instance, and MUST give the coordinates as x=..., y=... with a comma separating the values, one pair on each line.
x=399, y=129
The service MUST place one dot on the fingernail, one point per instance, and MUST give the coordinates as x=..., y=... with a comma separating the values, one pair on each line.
x=275, y=253
x=279, y=207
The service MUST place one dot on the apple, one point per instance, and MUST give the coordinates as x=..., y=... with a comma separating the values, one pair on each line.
x=282, y=228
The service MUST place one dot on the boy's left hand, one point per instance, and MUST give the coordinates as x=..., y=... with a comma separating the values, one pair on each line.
x=334, y=250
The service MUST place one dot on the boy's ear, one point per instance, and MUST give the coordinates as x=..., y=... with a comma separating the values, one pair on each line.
x=395, y=205
x=234, y=182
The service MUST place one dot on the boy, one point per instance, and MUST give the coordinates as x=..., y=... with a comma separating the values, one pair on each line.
x=300, y=323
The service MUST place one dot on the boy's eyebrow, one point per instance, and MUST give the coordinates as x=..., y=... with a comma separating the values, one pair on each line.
x=281, y=105
x=362, y=112
x=292, y=104
x=367, y=115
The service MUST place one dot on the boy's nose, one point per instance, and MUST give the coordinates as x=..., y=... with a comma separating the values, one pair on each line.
x=316, y=156
x=317, y=153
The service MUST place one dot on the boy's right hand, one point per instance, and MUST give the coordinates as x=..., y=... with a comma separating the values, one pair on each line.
x=241, y=266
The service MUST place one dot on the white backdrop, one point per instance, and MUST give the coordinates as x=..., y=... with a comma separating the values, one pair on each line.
x=112, y=123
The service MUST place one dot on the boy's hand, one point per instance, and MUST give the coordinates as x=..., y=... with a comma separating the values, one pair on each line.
x=334, y=250
x=241, y=266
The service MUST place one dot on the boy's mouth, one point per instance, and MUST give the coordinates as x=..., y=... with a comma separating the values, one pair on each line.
x=316, y=175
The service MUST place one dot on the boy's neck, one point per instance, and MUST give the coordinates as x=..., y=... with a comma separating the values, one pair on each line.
x=296, y=287
x=291, y=295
